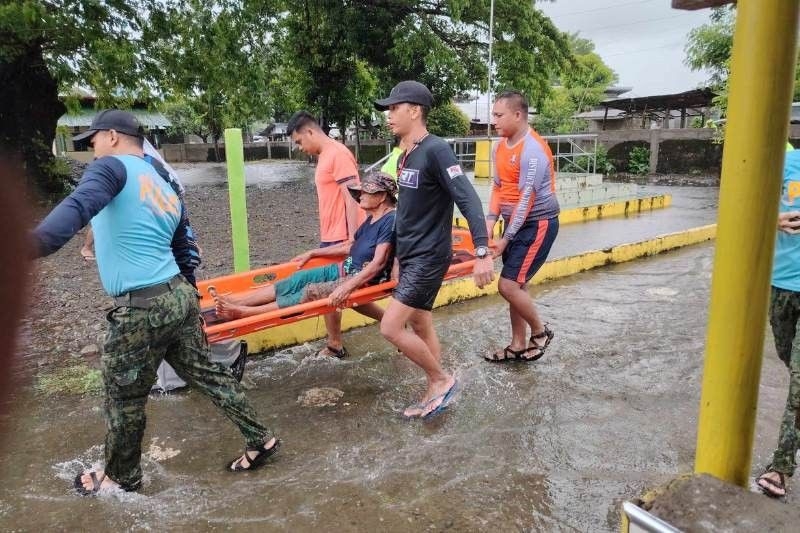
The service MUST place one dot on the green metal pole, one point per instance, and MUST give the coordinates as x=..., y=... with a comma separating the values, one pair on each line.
x=234, y=157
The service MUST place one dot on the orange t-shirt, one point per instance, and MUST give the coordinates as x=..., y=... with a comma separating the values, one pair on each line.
x=336, y=166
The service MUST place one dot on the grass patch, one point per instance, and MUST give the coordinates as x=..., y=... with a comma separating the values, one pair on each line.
x=78, y=379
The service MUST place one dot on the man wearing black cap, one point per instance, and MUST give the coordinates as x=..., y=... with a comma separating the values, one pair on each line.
x=136, y=216
x=430, y=181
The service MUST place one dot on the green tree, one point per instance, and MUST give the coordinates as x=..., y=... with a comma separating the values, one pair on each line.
x=709, y=48
x=183, y=117
x=580, y=87
x=52, y=45
x=441, y=43
x=555, y=116
x=448, y=121
x=215, y=58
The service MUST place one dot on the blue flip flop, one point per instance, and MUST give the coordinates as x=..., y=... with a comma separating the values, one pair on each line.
x=447, y=397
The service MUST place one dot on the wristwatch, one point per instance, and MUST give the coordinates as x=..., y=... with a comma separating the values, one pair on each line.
x=481, y=252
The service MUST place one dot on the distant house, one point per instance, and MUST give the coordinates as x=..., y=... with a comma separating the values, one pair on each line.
x=478, y=110
x=154, y=123
x=663, y=111
x=275, y=131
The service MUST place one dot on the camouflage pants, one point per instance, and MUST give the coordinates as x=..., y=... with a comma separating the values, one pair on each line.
x=136, y=342
x=784, y=313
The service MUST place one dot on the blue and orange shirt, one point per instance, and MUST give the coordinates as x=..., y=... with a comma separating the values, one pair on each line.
x=786, y=266
x=524, y=186
x=134, y=213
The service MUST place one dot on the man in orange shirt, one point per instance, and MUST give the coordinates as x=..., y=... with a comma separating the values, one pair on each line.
x=523, y=193
x=339, y=215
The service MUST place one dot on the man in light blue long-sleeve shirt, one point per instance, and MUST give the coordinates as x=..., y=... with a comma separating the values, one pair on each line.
x=138, y=218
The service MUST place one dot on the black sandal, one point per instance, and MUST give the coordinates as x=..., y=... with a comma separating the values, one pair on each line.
x=256, y=462
x=771, y=484
x=538, y=351
x=96, y=483
x=508, y=355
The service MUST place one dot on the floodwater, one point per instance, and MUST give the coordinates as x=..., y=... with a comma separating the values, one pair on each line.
x=256, y=173
x=551, y=446
x=556, y=445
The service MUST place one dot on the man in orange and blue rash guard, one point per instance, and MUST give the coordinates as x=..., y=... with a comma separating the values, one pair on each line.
x=523, y=193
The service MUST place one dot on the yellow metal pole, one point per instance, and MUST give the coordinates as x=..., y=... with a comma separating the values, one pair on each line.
x=762, y=74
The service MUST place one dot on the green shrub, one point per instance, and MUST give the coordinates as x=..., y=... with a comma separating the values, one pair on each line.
x=639, y=160
x=448, y=121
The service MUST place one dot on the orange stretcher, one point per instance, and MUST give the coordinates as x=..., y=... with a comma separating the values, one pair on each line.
x=462, y=264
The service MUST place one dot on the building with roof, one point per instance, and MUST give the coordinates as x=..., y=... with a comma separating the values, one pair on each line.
x=664, y=111
x=154, y=123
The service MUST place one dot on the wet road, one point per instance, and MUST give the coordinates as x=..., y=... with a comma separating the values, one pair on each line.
x=691, y=206
x=552, y=446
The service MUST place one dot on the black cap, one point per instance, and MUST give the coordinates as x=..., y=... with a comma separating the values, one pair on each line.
x=112, y=119
x=411, y=92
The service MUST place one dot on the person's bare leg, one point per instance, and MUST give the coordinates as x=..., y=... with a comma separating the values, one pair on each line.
x=370, y=310
x=422, y=324
x=227, y=310
x=87, y=250
x=333, y=327
x=519, y=329
x=521, y=303
x=260, y=296
x=413, y=345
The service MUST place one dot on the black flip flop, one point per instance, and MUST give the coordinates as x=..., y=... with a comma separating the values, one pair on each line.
x=339, y=354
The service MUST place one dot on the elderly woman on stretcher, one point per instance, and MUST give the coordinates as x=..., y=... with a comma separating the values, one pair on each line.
x=369, y=259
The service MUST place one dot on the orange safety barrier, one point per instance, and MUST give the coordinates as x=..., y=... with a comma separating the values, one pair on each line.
x=462, y=264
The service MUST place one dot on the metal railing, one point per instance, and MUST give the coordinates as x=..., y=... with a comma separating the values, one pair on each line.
x=575, y=154
x=640, y=521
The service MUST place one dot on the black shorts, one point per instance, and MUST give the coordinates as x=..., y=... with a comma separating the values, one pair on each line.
x=525, y=255
x=420, y=281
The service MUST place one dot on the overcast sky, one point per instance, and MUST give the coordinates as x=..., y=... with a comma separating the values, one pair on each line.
x=641, y=40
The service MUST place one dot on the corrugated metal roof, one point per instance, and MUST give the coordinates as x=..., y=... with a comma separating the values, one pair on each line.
x=148, y=119
x=598, y=114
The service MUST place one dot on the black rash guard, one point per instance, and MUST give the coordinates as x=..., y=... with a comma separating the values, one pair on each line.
x=430, y=180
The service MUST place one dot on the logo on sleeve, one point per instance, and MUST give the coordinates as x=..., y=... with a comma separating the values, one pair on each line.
x=791, y=193
x=409, y=177
x=454, y=171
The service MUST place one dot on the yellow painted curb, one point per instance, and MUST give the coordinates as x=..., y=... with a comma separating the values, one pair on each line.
x=599, y=211
x=612, y=209
x=463, y=289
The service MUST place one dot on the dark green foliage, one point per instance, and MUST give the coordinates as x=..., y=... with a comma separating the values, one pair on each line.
x=448, y=121
x=639, y=160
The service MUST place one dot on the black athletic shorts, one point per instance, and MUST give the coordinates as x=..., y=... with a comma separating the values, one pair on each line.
x=420, y=281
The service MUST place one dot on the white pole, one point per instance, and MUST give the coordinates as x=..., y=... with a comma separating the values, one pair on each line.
x=489, y=92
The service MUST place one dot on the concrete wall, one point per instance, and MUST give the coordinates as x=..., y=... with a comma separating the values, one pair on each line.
x=370, y=152
x=672, y=151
